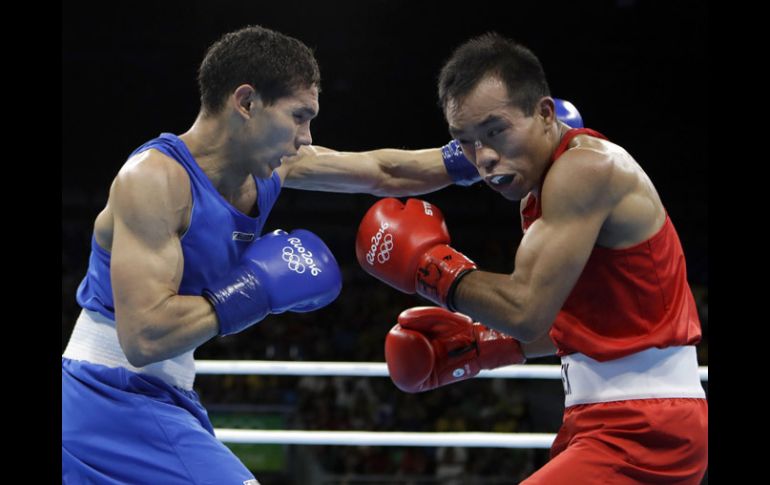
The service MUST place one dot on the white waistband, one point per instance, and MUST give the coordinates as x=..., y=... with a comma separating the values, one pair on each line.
x=653, y=373
x=95, y=340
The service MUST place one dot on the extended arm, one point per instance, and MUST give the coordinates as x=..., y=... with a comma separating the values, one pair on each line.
x=385, y=172
x=390, y=172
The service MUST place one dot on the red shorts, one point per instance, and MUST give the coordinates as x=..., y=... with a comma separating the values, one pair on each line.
x=629, y=442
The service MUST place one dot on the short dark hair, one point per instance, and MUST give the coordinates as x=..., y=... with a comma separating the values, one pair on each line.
x=273, y=63
x=491, y=54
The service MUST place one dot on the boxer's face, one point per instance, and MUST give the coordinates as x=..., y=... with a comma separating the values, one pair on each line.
x=510, y=150
x=279, y=130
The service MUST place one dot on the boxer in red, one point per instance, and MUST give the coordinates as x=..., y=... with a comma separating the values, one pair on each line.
x=599, y=280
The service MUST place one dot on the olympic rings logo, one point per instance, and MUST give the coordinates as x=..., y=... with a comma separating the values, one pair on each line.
x=295, y=264
x=384, y=249
x=300, y=260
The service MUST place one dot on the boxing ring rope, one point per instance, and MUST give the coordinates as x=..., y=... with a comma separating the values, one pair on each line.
x=387, y=438
x=366, y=369
x=366, y=438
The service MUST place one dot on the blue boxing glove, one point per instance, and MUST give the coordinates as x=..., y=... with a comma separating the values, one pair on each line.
x=464, y=173
x=567, y=113
x=278, y=272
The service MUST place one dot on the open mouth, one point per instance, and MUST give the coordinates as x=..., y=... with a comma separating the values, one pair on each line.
x=500, y=180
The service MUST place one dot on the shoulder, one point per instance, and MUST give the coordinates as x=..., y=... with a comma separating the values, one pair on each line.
x=151, y=182
x=588, y=176
x=153, y=171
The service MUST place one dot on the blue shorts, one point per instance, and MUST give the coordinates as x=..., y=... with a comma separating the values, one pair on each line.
x=120, y=427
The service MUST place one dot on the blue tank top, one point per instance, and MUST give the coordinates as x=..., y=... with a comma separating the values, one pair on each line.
x=213, y=243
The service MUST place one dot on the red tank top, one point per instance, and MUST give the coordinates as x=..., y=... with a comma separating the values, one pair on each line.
x=626, y=300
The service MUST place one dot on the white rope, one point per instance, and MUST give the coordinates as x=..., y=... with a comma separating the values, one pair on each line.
x=367, y=438
x=394, y=438
x=366, y=369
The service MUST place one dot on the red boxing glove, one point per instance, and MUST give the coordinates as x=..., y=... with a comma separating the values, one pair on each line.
x=431, y=347
x=406, y=246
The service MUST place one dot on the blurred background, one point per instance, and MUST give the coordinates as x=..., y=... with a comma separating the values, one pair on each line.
x=635, y=69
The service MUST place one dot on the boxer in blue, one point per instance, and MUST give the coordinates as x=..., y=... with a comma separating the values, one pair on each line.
x=178, y=257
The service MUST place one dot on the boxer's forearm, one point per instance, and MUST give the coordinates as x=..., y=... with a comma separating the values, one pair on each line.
x=384, y=172
x=496, y=301
x=178, y=324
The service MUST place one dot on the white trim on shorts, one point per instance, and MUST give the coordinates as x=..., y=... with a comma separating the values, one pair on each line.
x=653, y=373
x=95, y=340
